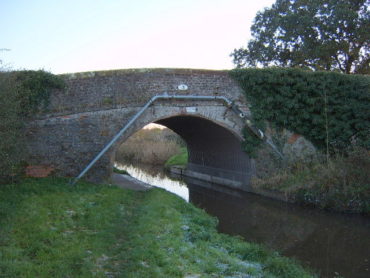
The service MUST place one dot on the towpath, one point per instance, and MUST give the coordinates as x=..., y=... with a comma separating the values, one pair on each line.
x=129, y=182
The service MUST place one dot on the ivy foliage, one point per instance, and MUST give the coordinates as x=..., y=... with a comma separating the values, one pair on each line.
x=22, y=95
x=11, y=131
x=33, y=90
x=332, y=110
x=251, y=143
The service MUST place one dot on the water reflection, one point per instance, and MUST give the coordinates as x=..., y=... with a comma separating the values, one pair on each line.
x=155, y=175
x=333, y=244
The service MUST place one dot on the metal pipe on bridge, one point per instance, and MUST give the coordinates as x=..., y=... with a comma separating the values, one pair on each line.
x=228, y=103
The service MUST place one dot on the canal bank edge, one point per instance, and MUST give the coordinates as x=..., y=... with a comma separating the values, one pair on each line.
x=107, y=229
x=179, y=171
x=311, y=197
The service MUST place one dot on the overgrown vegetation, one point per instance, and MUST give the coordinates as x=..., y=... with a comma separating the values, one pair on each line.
x=340, y=184
x=22, y=94
x=33, y=90
x=331, y=110
x=150, y=146
x=50, y=229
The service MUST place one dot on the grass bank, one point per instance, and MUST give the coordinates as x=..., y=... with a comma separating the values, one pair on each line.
x=180, y=159
x=342, y=183
x=50, y=229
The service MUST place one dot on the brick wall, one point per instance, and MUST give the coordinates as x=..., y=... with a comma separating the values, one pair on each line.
x=85, y=116
x=92, y=91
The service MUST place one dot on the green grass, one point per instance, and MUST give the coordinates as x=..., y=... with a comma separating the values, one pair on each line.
x=50, y=229
x=180, y=159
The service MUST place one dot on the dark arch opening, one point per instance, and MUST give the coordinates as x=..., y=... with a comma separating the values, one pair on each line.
x=213, y=150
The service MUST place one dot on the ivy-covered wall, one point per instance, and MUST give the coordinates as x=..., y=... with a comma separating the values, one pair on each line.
x=22, y=95
x=330, y=109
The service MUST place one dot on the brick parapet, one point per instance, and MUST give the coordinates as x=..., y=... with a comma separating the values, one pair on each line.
x=102, y=90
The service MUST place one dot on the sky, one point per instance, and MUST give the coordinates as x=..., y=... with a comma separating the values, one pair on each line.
x=63, y=36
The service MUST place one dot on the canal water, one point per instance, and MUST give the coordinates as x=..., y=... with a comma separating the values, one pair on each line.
x=333, y=244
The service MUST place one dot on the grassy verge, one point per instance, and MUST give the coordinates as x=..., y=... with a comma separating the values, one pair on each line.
x=50, y=229
x=340, y=184
x=178, y=159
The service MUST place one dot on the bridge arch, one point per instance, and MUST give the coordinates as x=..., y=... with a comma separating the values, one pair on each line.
x=214, y=144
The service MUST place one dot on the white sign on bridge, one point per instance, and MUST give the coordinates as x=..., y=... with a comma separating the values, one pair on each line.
x=191, y=109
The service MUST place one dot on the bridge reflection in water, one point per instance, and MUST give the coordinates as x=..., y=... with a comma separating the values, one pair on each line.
x=332, y=244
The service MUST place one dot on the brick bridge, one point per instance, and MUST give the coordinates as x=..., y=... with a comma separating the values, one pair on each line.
x=85, y=116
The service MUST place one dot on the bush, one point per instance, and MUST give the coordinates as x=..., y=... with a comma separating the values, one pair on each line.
x=341, y=184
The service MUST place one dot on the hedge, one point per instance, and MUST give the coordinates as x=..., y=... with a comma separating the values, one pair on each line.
x=330, y=109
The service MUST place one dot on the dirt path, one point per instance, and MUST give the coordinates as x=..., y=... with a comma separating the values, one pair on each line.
x=129, y=182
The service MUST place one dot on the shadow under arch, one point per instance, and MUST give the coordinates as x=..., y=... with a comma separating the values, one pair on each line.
x=213, y=149
x=213, y=142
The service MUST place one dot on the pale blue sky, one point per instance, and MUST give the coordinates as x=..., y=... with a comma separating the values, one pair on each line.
x=85, y=35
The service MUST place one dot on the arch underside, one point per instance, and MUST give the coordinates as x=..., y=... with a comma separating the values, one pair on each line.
x=213, y=150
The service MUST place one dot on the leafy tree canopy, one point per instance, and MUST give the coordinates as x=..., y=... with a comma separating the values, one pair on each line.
x=314, y=34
